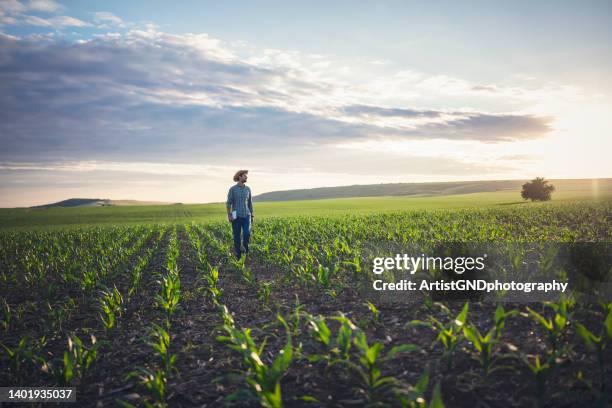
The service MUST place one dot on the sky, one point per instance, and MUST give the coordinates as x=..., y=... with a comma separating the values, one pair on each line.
x=164, y=101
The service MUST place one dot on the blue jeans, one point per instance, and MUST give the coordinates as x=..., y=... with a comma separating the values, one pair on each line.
x=241, y=224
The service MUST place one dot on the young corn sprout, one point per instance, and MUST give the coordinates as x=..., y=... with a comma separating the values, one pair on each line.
x=263, y=378
x=26, y=352
x=449, y=334
x=159, y=341
x=111, y=306
x=556, y=326
x=484, y=343
x=541, y=373
x=170, y=294
x=599, y=343
x=77, y=359
x=377, y=388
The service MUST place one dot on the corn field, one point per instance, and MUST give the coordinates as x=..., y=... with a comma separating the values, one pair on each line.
x=164, y=315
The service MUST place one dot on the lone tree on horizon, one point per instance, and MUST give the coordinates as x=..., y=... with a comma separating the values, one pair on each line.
x=537, y=189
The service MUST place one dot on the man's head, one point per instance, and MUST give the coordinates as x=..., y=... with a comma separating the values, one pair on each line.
x=241, y=176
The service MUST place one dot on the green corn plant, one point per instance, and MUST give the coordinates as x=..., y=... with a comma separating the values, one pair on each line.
x=375, y=313
x=58, y=313
x=449, y=334
x=264, y=379
x=337, y=348
x=436, y=398
x=323, y=276
x=136, y=276
x=89, y=280
x=378, y=388
x=499, y=319
x=354, y=264
x=264, y=292
x=159, y=341
x=6, y=315
x=111, y=306
x=213, y=292
x=155, y=382
x=541, y=373
x=556, y=326
x=319, y=329
x=226, y=316
x=170, y=295
x=483, y=345
x=77, y=359
x=599, y=343
x=342, y=342
x=415, y=397
x=25, y=353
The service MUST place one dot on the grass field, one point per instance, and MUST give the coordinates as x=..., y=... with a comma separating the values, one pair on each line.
x=60, y=217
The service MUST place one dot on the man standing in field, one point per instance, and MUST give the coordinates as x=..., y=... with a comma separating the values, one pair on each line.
x=240, y=211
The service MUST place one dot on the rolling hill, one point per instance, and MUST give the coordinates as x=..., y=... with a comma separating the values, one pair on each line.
x=428, y=189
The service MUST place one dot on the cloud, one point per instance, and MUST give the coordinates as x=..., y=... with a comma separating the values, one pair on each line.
x=67, y=21
x=56, y=22
x=147, y=95
x=35, y=21
x=45, y=6
x=490, y=128
x=13, y=13
x=11, y=6
x=364, y=110
x=106, y=17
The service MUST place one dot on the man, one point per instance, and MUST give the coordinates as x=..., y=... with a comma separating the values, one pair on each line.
x=240, y=211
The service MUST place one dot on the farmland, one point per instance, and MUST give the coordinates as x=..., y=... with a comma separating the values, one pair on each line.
x=162, y=314
x=53, y=218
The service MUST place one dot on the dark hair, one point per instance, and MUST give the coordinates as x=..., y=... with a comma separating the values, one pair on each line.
x=239, y=173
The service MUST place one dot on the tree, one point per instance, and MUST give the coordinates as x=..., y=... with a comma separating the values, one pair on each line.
x=537, y=189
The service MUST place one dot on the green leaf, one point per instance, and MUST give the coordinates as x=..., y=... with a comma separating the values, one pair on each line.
x=402, y=348
x=499, y=314
x=471, y=333
x=421, y=386
x=608, y=321
x=436, y=398
x=462, y=316
x=589, y=338
x=373, y=352
x=546, y=323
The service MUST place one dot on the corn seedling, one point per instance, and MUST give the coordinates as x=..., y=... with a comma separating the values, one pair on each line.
x=155, y=382
x=377, y=388
x=449, y=334
x=375, y=313
x=541, y=373
x=6, y=315
x=111, y=304
x=599, y=343
x=484, y=343
x=159, y=340
x=168, y=298
x=264, y=379
x=264, y=292
x=25, y=353
x=77, y=359
x=555, y=326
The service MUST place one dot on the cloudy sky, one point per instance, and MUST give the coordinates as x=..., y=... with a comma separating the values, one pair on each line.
x=155, y=100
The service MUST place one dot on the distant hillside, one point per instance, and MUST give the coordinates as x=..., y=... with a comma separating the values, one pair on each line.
x=427, y=189
x=97, y=202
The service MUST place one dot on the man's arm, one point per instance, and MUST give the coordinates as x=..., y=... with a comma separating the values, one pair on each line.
x=229, y=203
x=250, y=203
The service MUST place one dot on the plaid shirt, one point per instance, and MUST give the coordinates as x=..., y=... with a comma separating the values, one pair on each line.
x=239, y=199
